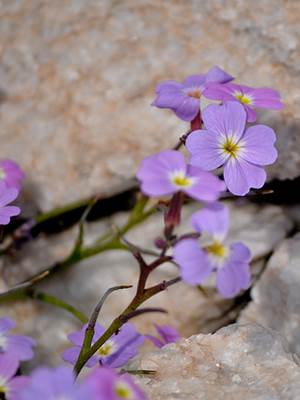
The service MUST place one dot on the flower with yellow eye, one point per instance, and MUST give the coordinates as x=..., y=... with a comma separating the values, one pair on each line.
x=225, y=141
x=197, y=259
x=250, y=98
x=115, y=352
x=166, y=173
x=184, y=98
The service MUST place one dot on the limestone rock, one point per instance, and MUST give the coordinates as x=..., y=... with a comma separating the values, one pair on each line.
x=276, y=297
x=242, y=362
x=77, y=79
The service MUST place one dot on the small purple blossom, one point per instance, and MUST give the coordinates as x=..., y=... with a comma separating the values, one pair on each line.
x=167, y=334
x=10, y=386
x=226, y=142
x=108, y=385
x=197, y=259
x=250, y=98
x=18, y=346
x=11, y=174
x=115, y=352
x=184, y=98
x=7, y=195
x=57, y=383
x=166, y=173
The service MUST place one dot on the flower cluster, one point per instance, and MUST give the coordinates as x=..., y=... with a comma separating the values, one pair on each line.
x=116, y=351
x=223, y=140
x=103, y=383
x=224, y=153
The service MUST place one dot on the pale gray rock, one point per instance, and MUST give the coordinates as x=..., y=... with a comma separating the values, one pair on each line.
x=242, y=362
x=276, y=297
x=77, y=79
x=189, y=310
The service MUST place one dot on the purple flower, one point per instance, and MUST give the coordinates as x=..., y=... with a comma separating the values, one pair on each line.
x=10, y=386
x=115, y=352
x=57, y=383
x=167, y=335
x=108, y=385
x=19, y=346
x=11, y=174
x=7, y=195
x=184, y=98
x=197, y=259
x=226, y=142
x=166, y=173
x=249, y=97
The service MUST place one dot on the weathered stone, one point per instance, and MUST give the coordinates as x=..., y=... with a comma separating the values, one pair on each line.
x=245, y=362
x=276, y=297
x=261, y=228
x=78, y=78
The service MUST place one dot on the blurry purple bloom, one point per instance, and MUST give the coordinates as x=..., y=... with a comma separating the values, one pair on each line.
x=7, y=195
x=249, y=97
x=57, y=383
x=197, y=259
x=108, y=385
x=226, y=142
x=10, y=386
x=167, y=335
x=11, y=174
x=19, y=346
x=166, y=173
x=184, y=98
x=115, y=352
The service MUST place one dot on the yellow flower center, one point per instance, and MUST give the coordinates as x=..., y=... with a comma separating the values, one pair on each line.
x=217, y=249
x=243, y=98
x=196, y=93
x=180, y=180
x=229, y=146
x=124, y=391
x=3, y=390
x=2, y=173
x=107, y=349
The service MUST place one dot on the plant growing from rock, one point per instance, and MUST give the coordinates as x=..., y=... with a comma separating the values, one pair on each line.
x=223, y=153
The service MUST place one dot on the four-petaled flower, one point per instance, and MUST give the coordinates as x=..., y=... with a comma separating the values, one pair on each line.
x=55, y=384
x=115, y=352
x=226, y=142
x=167, y=334
x=108, y=385
x=250, y=98
x=184, y=98
x=10, y=386
x=166, y=173
x=11, y=174
x=197, y=259
x=7, y=195
x=18, y=346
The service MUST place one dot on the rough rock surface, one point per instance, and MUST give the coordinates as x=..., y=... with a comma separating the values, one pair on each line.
x=261, y=228
x=77, y=79
x=238, y=362
x=276, y=297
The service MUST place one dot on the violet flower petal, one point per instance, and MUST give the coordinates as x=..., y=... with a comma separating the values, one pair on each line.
x=213, y=219
x=204, y=149
x=259, y=142
x=192, y=260
x=207, y=187
x=227, y=120
x=216, y=74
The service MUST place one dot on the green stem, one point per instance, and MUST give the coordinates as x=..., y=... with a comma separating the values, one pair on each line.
x=54, y=301
x=111, y=240
x=56, y=212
